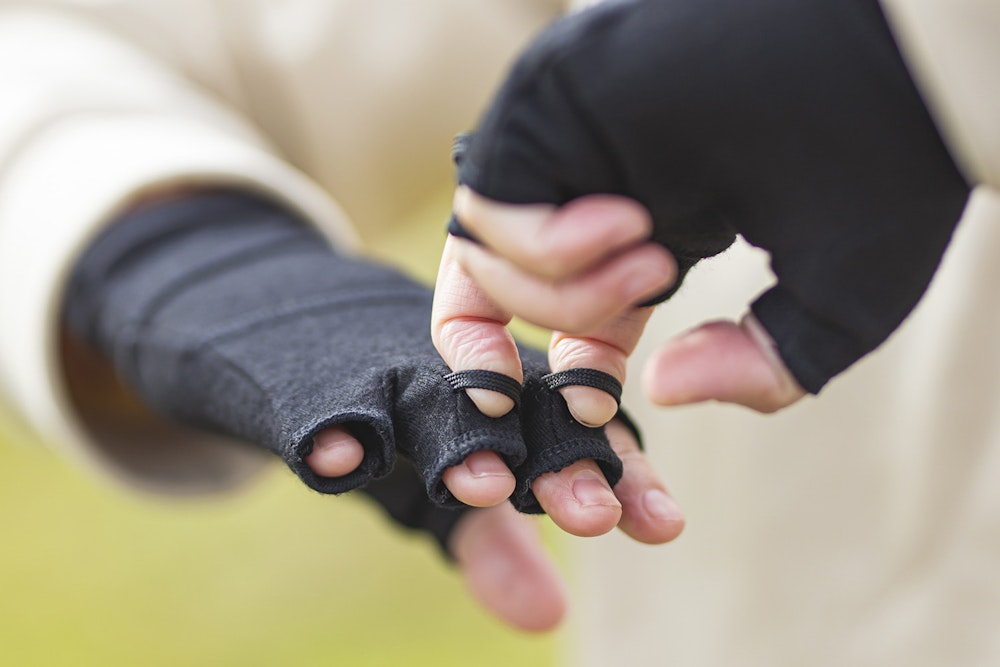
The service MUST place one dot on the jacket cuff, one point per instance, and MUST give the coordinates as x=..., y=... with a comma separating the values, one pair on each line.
x=73, y=179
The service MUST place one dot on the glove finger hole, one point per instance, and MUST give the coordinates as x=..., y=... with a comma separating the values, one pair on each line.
x=555, y=439
x=585, y=377
x=483, y=379
x=483, y=479
x=593, y=396
x=558, y=457
x=335, y=453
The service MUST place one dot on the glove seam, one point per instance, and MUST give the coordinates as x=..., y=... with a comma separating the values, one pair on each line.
x=261, y=318
x=454, y=446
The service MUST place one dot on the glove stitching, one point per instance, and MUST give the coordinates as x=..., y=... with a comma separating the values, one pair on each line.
x=489, y=438
x=261, y=318
x=175, y=288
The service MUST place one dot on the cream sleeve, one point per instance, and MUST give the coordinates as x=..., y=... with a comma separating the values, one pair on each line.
x=88, y=124
x=953, y=50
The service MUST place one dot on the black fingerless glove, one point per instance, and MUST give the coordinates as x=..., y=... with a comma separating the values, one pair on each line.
x=225, y=312
x=794, y=123
x=403, y=497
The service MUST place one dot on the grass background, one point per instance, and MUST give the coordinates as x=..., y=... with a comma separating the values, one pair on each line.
x=92, y=574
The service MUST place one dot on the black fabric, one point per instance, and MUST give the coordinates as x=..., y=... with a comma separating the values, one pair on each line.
x=403, y=497
x=455, y=228
x=555, y=439
x=795, y=124
x=481, y=379
x=587, y=377
x=225, y=312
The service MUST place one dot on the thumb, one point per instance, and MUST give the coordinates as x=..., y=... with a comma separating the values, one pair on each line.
x=723, y=361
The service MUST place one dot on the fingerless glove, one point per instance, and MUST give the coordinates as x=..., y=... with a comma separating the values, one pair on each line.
x=794, y=123
x=226, y=312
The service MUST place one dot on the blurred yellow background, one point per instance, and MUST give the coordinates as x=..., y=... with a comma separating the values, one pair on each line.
x=93, y=574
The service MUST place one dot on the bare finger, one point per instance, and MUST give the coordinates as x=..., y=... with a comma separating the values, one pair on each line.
x=469, y=331
x=579, y=305
x=607, y=350
x=554, y=243
x=722, y=361
x=578, y=499
x=335, y=453
x=649, y=512
x=481, y=480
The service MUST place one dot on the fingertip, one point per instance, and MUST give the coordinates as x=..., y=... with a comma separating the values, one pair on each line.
x=490, y=403
x=593, y=491
x=579, y=500
x=589, y=406
x=335, y=453
x=694, y=366
x=664, y=519
x=481, y=480
x=650, y=380
x=651, y=516
x=649, y=513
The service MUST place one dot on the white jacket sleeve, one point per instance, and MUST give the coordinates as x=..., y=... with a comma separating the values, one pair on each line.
x=953, y=50
x=88, y=123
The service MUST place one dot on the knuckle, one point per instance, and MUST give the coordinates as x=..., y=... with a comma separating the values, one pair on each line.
x=575, y=320
x=475, y=343
x=574, y=352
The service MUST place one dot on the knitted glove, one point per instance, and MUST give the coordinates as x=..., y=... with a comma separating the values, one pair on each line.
x=795, y=124
x=402, y=496
x=225, y=312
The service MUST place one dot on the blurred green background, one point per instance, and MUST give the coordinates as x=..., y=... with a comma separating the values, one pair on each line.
x=93, y=574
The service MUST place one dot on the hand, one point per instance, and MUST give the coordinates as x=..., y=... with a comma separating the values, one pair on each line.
x=499, y=552
x=793, y=124
x=469, y=328
x=273, y=337
x=600, y=252
x=577, y=498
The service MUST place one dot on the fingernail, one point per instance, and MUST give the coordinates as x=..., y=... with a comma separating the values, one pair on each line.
x=590, y=407
x=590, y=492
x=487, y=466
x=490, y=403
x=327, y=442
x=659, y=505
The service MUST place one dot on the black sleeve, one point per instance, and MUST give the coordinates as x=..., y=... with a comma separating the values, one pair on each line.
x=793, y=123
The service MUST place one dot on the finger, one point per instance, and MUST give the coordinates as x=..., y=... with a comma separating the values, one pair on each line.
x=506, y=568
x=554, y=243
x=578, y=499
x=481, y=480
x=649, y=513
x=607, y=349
x=335, y=453
x=723, y=361
x=469, y=332
x=578, y=305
